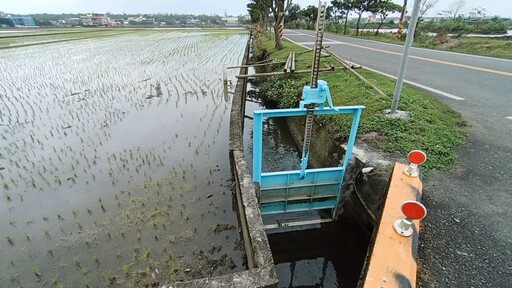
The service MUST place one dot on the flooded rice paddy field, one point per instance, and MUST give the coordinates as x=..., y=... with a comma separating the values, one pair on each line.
x=114, y=161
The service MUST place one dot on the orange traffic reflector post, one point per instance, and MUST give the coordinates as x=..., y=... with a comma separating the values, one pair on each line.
x=412, y=210
x=416, y=157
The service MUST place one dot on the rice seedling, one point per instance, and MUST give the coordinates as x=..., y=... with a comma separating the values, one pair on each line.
x=47, y=234
x=55, y=280
x=9, y=240
x=37, y=272
x=77, y=263
x=118, y=254
x=15, y=279
x=85, y=271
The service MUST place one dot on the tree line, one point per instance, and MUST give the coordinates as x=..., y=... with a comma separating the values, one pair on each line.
x=450, y=20
x=339, y=10
x=45, y=19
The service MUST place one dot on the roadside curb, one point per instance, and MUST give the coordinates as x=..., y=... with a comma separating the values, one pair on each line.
x=393, y=259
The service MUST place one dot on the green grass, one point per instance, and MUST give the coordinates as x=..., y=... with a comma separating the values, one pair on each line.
x=434, y=127
x=470, y=45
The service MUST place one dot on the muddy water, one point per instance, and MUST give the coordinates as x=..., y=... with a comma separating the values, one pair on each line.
x=115, y=167
x=317, y=255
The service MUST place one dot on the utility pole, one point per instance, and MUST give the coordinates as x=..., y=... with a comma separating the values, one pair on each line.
x=405, y=56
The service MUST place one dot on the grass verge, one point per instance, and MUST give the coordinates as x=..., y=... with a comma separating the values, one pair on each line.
x=433, y=128
x=500, y=48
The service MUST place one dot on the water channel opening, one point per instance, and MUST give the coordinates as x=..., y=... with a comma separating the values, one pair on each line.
x=325, y=254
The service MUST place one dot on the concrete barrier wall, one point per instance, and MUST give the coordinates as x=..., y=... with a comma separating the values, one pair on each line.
x=392, y=258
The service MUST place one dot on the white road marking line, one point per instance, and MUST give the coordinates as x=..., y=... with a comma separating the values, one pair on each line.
x=418, y=48
x=439, y=92
x=505, y=73
x=323, y=43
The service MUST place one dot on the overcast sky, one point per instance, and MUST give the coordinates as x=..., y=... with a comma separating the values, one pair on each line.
x=209, y=7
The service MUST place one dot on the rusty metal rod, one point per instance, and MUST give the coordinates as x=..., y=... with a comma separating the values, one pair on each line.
x=292, y=67
x=282, y=73
x=351, y=69
x=288, y=63
x=254, y=65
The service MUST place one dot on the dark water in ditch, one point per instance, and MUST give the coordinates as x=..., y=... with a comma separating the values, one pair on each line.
x=114, y=161
x=318, y=255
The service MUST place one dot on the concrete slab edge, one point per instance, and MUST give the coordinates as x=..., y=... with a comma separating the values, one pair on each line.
x=392, y=261
x=260, y=277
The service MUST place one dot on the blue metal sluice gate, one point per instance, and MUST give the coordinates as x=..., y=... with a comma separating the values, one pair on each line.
x=304, y=189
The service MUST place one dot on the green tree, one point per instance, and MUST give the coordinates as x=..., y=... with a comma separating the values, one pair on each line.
x=346, y=6
x=259, y=11
x=338, y=11
x=293, y=14
x=310, y=13
x=455, y=9
x=360, y=7
x=3, y=21
x=383, y=9
x=425, y=6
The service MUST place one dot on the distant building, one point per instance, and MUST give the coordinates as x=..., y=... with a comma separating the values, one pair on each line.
x=95, y=19
x=230, y=21
x=193, y=21
x=21, y=21
x=141, y=20
x=100, y=19
x=73, y=21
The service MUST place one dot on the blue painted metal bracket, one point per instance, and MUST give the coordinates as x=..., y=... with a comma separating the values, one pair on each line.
x=317, y=95
x=288, y=191
x=311, y=98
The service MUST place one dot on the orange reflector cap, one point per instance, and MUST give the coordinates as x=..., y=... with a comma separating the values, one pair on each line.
x=417, y=157
x=414, y=210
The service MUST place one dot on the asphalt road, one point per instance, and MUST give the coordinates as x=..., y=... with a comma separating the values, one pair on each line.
x=466, y=239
